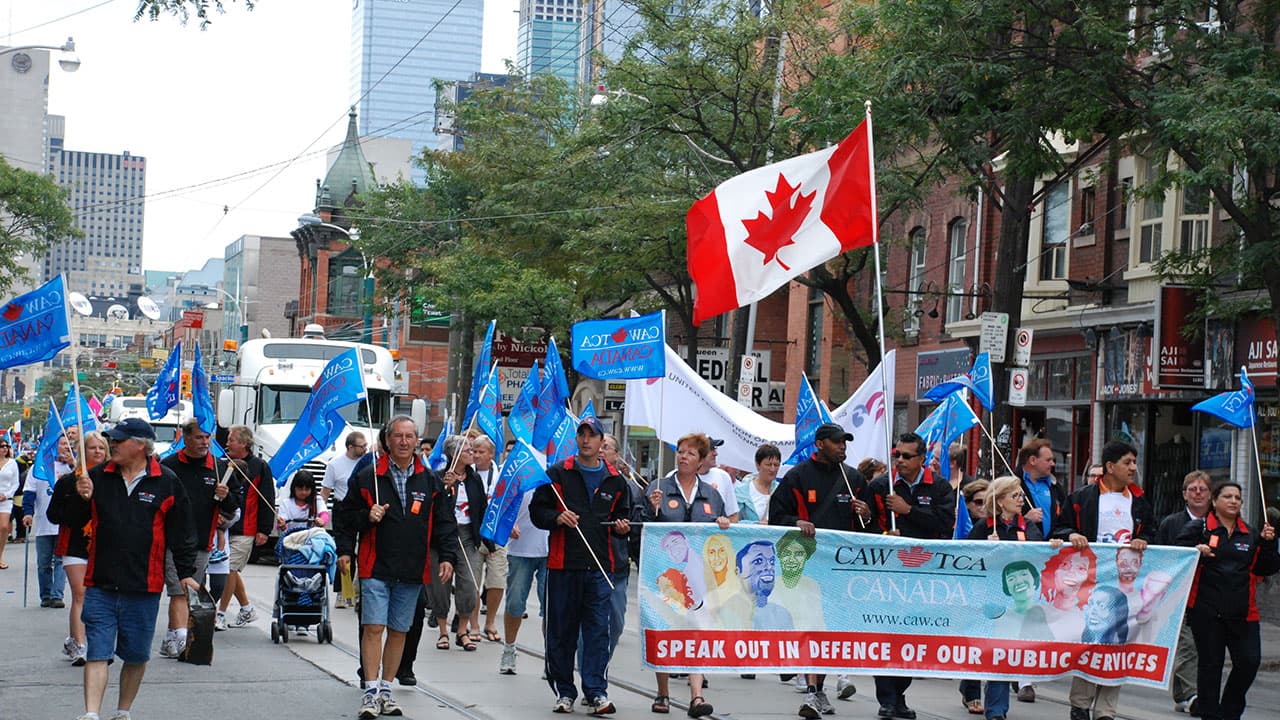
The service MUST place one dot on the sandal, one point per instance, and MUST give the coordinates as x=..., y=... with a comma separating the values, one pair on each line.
x=475, y=636
x=974, y=707
x=442, y=642
x=4, y=565
x=661, y=705
x=492, y=635
x=466, y=643
x=699, y=707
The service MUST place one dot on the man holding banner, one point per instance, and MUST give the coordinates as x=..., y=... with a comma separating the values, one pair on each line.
x=822, y=492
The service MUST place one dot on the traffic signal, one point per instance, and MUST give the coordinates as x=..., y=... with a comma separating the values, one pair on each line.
x=26, y=412
x=186, y=383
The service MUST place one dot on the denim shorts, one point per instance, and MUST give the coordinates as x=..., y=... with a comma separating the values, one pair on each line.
x=521, y=572
x=119, y=623
x=388, y=602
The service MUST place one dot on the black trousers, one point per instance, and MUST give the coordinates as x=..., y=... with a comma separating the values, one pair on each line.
x=1215, y=636
x=414, y=637
x=892, y=691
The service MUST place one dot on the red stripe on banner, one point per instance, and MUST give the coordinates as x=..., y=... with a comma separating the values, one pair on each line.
x=709, y=260
x=781, y=651
x=846, y=205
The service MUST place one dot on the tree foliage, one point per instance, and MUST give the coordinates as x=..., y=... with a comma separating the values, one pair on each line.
x=33, y=213
x=184, y=10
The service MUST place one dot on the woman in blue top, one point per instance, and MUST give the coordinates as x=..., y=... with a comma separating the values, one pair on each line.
x=754, y=490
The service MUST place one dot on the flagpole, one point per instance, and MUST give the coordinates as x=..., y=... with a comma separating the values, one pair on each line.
x=583, y=535
x=1257, y=459
x=875, y=251
x=75, y=383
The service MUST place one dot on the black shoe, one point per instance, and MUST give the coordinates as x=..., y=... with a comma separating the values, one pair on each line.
x=407, y=678
x=748, y=676
x=431, y=621
x=904, y=712
x=885, y=711
x=787, y=678
x=1080, y=713
x=45, y=602
x=57, y=603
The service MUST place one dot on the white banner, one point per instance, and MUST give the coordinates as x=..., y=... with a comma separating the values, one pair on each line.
x=682, y=402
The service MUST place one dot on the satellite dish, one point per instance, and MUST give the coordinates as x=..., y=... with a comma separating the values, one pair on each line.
x=118, y=312
x=80, y=303
x=148, y=307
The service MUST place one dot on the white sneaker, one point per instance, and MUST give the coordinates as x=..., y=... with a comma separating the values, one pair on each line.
x=68, y=647
x=370, y=705
x=800, y=683
x=1187, y=706
x=79, y=655
x=845, y=688
x=244, y=617
x=507, y=664
x=170, y=648
x=220, y=622
x=121, y=715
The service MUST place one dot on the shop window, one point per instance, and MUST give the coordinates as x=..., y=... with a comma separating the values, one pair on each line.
x=958, y=240
x=1056, y=229
x=1059, y=374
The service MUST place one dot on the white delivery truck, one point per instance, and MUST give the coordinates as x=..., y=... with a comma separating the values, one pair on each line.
x=167, y=427
x=274, y=377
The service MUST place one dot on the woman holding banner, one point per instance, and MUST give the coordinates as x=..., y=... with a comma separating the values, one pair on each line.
x=1221, y=610
x=754, y=490
x=682, y=497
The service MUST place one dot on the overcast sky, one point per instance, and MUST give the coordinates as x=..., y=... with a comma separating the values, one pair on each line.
x=255, y=90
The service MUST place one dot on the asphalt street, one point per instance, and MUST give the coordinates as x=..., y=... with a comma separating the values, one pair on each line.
x=252, y=678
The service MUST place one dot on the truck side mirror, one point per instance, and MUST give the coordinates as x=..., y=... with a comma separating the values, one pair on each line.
x=418, y=412
x=226, y=408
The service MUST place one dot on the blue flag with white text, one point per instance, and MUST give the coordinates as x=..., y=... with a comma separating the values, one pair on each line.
x=620, y=348
x=71, y=414
x=978, y=379
x=437, y=460
x=564, y=442
x=1235, y=407
x=810, y=413
x=947, y=422
x=524, y=411
x=201, y=400
x=34, y=326
x=479, y=374
x=552, y=397
x=164, y=394
x=489, y=416
x=47, y=452
x=521, y=472
x=340, y=384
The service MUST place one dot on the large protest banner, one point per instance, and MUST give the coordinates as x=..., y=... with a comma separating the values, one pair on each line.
x=766, y=599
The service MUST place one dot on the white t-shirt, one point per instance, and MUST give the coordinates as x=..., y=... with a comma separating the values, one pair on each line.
x=44, y=493
x=336, y=475
x=488, y=478
x=1115, y=517
x=532, y=542
x=462, y=508
x=9, y=480
x=760, y=500
x=295, y=515
x=720, y=480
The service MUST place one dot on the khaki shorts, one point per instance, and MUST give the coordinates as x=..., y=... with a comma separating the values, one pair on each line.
x=495, y=568
x=241, y=549
x=172, y=583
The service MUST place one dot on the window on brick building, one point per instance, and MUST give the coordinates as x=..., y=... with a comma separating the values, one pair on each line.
x=1150, y=219
x=345, y=279
x=813, y=337
x=1088, y=198
x=1122, y=203
x=1055, y=231
x=1193, y=221
x=958, y=239
x=915, y=281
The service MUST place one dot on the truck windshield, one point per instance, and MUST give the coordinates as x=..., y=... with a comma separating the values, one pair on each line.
x=284, y=405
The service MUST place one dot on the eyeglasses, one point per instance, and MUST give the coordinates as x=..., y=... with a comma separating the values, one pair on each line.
x=1017, y=495
x=899, y=455
x=978, y=500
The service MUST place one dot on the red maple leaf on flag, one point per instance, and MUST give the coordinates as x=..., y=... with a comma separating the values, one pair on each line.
x=771, y=234
x=12, y=311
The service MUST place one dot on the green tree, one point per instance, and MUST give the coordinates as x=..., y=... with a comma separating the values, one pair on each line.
x=33, y=213
x=184, y=10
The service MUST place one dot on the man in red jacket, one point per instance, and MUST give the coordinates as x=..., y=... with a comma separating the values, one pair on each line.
x=395, y=513
x=138, y=511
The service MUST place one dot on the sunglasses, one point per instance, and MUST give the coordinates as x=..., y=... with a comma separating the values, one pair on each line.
x=899, y=455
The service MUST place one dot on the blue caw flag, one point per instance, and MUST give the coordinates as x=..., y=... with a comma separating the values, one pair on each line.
x=201, y=400
x=552, y=397
x=521, y=473
x=437, y=460
x=564, y=443
x=978, y=379
x=34, y=326
x=340, y=384
x=479, y=375
x=618, y=349
x=1235, y=407
x=42, y=468
x=73, y=415
x=164, y=394
x=810, y=413
x=524, y=411
x=489, y=417
x=947, y=422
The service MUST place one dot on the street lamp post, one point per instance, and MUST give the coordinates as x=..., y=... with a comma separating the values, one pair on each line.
x=68, y=60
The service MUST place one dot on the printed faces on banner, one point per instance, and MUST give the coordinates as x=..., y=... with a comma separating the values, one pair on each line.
x=770, y=600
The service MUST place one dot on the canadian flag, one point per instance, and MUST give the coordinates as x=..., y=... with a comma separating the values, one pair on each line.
x=758, y=230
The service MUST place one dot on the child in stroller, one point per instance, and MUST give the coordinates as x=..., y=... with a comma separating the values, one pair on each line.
x=307, y=561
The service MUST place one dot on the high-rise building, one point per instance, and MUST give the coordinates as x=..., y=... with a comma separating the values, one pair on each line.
x=24, y=94
x=606, y=27
x=454, y=93
x=550, y=40
x=260, y=279
x=106, y=197
x=399, y=48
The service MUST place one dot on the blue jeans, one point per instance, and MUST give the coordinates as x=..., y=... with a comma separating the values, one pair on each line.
x=997, y=704
x=119, y=623
x=578, y=603
x=617, y=613
x=49, y=572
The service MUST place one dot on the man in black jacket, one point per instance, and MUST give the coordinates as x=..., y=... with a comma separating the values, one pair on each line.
x=1186, y=661
x=917, y=506
x=255, y=492
x=1111, y=511
x=137, y=510
x=200, y=475
x=822, y=492
x=395, y=512
x=586, y=500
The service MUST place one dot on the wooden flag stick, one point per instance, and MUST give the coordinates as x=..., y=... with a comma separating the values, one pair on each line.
x=583, y=535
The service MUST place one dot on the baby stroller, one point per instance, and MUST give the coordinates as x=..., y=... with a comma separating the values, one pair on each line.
x=307, y=561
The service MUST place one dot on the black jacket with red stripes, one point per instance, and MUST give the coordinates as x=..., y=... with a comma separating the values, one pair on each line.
x=1226, y=584
x=396, y=548
x=131, y=531
x=199, y=478
x=257, y=508
x=933, y=506
x=610, y=503
x=1080, y=514
x=815, y=490
x=1017, y=531
x=72, y=541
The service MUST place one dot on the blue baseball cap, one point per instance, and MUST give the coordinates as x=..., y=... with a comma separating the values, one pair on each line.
x=593, y=423
x=131, y=428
